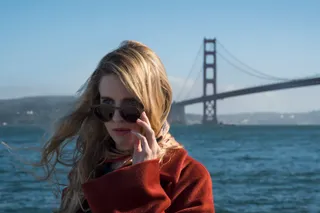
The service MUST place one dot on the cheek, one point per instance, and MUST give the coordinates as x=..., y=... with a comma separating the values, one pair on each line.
x=107, y=125
x=132, y=126
x=136, y=127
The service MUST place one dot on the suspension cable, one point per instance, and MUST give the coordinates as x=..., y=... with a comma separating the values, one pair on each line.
x=192, y=87
x=192, y=68
x=254, y=70
x=245, y=71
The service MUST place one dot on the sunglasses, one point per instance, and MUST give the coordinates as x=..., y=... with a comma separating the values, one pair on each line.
x=129, y=113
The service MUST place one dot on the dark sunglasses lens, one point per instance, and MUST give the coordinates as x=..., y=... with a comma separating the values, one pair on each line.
x=131, y=114
x=104, y=112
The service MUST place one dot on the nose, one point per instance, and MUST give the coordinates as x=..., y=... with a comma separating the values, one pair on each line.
x=117, y=117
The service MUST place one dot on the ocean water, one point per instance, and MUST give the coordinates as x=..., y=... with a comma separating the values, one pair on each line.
x=253, y=168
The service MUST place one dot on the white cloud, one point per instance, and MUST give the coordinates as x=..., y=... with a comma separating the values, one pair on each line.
x=227, y=87
x=8, y=92
x=179, y=81
x=270, y=94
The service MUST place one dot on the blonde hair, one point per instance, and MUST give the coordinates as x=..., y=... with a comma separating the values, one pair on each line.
x=143, y=74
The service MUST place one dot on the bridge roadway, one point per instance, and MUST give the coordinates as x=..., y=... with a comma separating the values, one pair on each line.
x=264, y=88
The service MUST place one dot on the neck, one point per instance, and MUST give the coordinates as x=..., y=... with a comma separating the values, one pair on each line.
x=121, y=162
x=116, y=152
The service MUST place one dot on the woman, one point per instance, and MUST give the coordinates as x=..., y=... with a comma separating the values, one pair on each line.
x=125, y=158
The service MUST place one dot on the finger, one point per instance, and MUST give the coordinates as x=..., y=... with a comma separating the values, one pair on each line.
x=137, y=146
x=136, y=143
x=147, y=128
x=142, y=141
x=149, y=132
x=145, y=118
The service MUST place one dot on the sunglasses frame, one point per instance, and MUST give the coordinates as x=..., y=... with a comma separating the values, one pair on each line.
x=95, y=110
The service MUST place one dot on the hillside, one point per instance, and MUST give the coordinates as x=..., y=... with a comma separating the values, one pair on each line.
x=42, y=110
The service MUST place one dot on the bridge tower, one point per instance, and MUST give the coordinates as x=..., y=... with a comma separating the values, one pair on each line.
x=209, y=79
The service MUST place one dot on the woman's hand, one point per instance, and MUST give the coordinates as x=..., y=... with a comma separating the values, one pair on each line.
x=146, y=148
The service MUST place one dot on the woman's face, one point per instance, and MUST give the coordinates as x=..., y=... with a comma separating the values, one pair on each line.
x=113, y=92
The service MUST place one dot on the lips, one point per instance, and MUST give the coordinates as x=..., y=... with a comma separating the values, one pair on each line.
x=121, y=131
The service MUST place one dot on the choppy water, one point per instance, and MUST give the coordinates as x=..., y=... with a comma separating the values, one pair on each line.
x=253, y=169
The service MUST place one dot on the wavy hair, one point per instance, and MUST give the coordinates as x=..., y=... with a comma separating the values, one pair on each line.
x=143, y=74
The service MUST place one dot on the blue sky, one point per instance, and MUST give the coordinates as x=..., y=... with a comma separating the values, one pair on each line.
x=51, y=47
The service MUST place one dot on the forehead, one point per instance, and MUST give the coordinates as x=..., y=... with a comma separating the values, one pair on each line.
x=111, y=86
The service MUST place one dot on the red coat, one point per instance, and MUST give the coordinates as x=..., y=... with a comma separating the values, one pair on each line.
x=179, y=185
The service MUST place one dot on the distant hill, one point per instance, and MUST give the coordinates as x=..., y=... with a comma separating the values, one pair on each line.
x=43, y=110
x=263, y=118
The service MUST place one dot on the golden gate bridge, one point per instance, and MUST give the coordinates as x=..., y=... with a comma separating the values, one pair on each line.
x=210, y=95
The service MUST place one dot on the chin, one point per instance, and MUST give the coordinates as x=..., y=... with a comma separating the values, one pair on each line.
x=123, y=144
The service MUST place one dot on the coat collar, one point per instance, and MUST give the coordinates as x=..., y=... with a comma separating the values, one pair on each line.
x=172, y=165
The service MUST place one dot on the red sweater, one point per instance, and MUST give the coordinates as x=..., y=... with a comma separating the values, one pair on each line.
x=178, y=185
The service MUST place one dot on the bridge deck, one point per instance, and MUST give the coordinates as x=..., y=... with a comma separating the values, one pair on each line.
x=251, y=90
